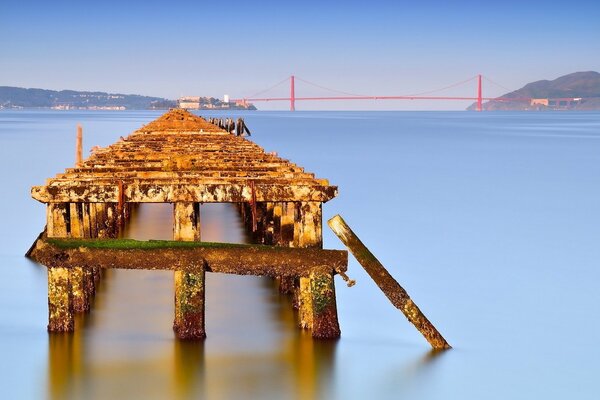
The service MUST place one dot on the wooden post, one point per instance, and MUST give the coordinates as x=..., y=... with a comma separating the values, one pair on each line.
x=277, y=210
x=60, y=299
x=288, y=216
x=269, y=223
x=189, y=287
x=111, y=220
x=79, y=146
x=388, y=285
x=93, y=220
x=85, y=220
x=101, y=220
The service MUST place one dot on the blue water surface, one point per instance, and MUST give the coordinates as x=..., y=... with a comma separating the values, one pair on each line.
x=490, y=221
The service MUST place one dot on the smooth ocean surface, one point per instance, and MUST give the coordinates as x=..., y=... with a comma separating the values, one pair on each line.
x=490, y=221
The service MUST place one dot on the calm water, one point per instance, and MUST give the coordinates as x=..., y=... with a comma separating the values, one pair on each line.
x=491, y=222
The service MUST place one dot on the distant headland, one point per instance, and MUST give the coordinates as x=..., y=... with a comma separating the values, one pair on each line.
x=576, y=91
x=20, y=98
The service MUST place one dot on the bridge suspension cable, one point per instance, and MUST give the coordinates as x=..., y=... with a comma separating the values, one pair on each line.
x=443, y=88
x=497, y=84
x=268, y=89
x=329, y=89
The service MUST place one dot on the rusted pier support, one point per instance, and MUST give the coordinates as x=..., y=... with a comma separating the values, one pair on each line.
x=82, y=279
x=60, y=298
x=189, y=286
x=60, y=301
x=388, y=285
x=315, y=295
x=78, y=221
x=324, y=308
x=283, y=235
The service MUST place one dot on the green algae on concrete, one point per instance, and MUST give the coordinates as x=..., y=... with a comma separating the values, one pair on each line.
x=131, y=244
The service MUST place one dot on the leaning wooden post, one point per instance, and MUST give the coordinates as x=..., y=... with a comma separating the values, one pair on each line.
x=189, y=287
x=60, y=297
x=388, y=285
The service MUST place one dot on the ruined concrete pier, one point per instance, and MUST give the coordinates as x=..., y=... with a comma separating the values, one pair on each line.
x=182, y=159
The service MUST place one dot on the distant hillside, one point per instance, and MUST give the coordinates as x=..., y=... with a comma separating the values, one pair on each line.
x=585, y=85
x=14, y=97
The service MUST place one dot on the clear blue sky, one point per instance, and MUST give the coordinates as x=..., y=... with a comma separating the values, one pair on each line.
x=168, y=49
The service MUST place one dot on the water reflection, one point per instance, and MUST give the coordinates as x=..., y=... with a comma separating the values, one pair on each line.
x=126, y=348
x=188, y=369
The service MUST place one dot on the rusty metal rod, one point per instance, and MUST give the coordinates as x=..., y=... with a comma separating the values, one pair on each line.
x=388, y=285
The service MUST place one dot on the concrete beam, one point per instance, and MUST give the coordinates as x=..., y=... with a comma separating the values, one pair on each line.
x=189, y=256
x=171, y=193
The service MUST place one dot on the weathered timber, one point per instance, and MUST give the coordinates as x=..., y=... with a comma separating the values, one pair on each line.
x=79, y=146
x=188, y=256
x=388, y=285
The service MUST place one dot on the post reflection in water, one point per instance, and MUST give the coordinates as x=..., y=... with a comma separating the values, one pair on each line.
x=126, y=348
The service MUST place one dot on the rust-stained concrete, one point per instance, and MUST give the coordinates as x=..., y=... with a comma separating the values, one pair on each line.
x=182, y=157
x=225, y=258
x=60, y=301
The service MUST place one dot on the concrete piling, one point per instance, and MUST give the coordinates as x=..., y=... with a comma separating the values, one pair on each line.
x=60, y=301
x=60, y=295
x=82, y=278
x=325, y=323
x=189, y=286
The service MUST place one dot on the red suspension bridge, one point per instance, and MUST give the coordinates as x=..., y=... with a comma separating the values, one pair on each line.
x=479, y=98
